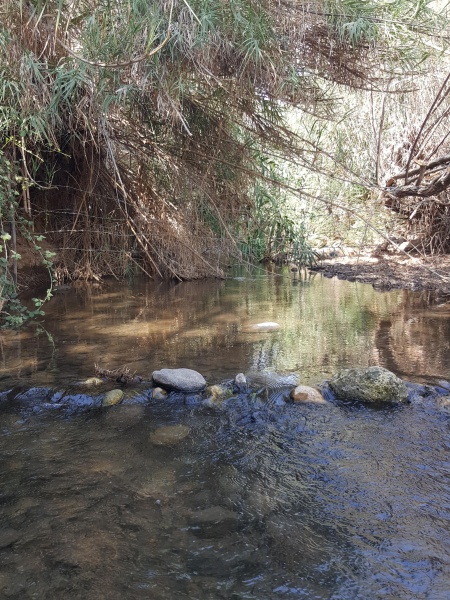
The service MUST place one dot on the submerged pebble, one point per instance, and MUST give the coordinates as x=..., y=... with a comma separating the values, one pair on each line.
x=159, y=394
x=8, y=537
x=92, y=382
x=266, y=326
x=213, y=522
x=169, y=435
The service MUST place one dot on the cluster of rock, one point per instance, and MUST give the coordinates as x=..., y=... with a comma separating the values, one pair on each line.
x=372, y=385
x=369, y=385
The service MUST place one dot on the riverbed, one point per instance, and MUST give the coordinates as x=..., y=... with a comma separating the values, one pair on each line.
x=260, y=499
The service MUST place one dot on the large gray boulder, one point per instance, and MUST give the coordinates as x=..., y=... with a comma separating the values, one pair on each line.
x=180, y=380
x=373, y=384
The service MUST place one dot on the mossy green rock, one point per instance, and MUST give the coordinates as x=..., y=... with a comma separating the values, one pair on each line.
x=112, y=397
x=373, y=384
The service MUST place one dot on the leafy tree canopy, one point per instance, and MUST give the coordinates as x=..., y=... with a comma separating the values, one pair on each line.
x=134, y=132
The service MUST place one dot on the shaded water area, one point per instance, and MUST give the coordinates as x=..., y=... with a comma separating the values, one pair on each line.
x=259, y=499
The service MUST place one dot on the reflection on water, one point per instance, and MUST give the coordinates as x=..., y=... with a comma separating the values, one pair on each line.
x=261, y=500
x=324, y=325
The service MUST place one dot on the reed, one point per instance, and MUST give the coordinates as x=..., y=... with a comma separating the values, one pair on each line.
x=132, y=130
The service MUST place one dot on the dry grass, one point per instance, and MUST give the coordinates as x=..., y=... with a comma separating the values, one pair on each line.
x=136, y=127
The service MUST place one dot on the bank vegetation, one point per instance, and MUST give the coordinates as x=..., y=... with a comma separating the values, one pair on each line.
x=171, y=137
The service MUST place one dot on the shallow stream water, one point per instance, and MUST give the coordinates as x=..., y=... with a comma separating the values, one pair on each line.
x=261, y=499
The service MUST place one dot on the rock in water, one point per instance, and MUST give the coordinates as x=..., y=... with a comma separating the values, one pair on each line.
x=112, y=397
x=214, y=522
x=180, y=380
x=266, y=326
x=159, y=394
x=303, y=393
x=8, y=537
x=217, y=394
x=373, y=384
x=169, y=435
x=240, y=382
x=92, y=381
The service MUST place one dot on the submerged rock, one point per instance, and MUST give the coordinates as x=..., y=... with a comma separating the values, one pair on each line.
x=304, y=393
x=159, y=394
x=213, y=522
x=444, y=384
x=417, y=392
x=112, y=397
x=240, y=381
x=217, y=394
x=180, y=380
x=170, y=435
x=266, y=326
x=443, y=402
x=8, y=537
x=372, y=384
x=78, y=401
x=440, y=390
x=92, y=382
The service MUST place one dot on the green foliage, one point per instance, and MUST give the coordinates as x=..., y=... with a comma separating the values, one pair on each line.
x=150, y=117
x=272, y=231
x=13, y=313
x=355, y=21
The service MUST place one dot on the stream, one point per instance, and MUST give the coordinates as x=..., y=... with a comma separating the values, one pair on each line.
x=261, y=499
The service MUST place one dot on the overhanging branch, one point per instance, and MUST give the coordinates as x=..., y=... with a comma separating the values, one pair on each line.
x=423, y=185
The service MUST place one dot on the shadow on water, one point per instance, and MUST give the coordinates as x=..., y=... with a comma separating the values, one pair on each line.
x=259, y=500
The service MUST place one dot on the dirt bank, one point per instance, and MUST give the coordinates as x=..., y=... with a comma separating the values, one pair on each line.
x=392, y=271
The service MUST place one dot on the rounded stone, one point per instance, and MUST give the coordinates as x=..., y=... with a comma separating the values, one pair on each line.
x=92, y=381
x=372, y=384
x=217, y=394
x=112, y=397
x=8, y=537
x=240, y=381
x=179, y=380
x=170, y=435
x=304, y=393
x=213, y=522
x=159, y=394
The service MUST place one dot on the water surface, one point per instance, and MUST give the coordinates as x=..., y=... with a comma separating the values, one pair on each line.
x=207, y=325
x=260, y=500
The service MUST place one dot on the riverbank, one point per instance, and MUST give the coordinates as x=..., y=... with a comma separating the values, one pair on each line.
x=391, y=271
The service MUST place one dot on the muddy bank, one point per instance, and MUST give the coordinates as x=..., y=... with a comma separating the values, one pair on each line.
x=391, y=271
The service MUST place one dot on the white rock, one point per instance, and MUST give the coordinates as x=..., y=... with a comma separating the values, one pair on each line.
x=266, y=326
